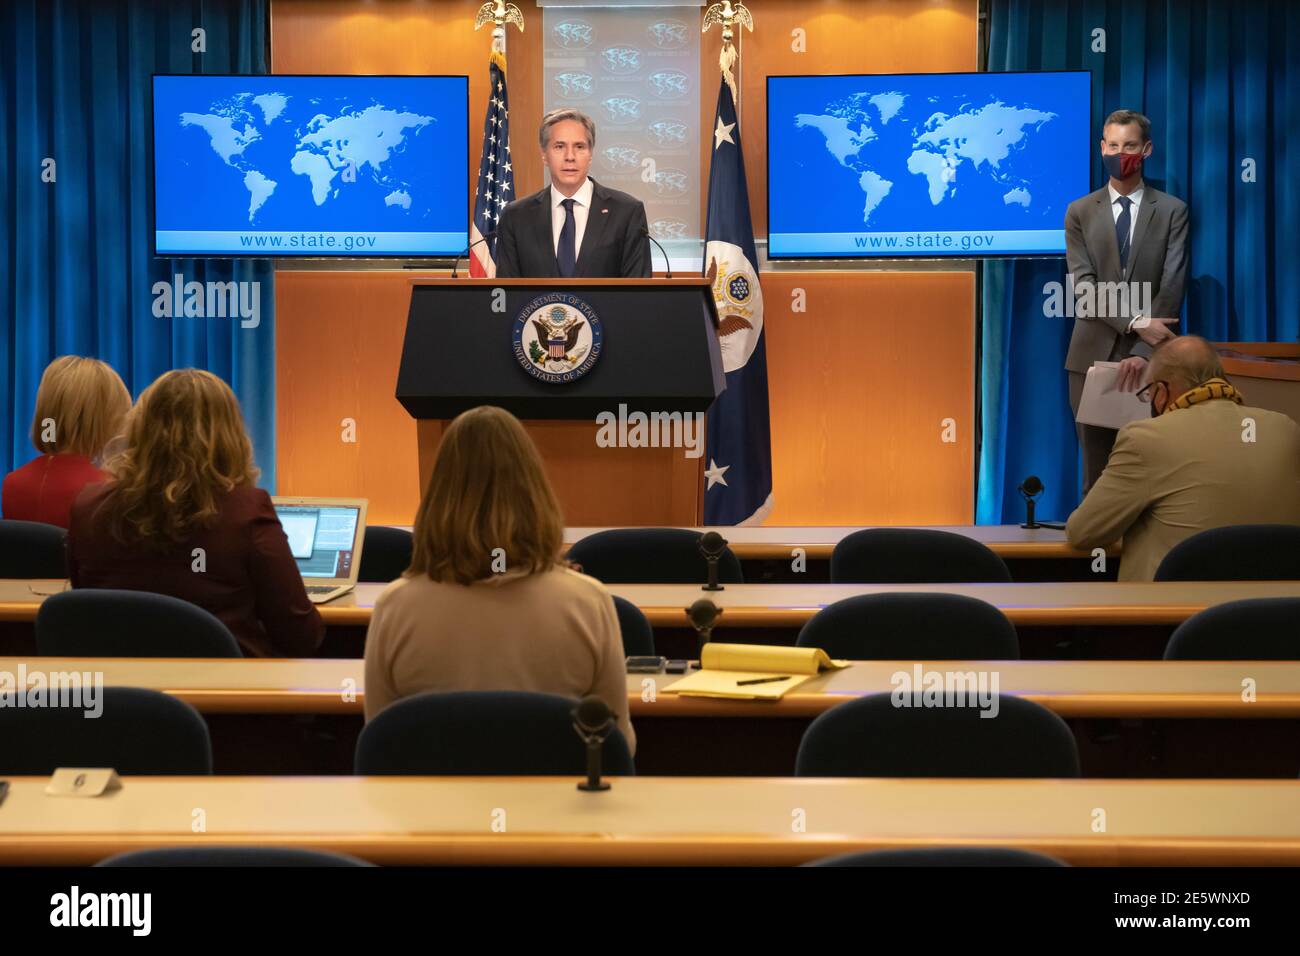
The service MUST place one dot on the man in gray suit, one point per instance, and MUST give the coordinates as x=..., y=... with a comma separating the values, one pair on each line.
x=1126, y=251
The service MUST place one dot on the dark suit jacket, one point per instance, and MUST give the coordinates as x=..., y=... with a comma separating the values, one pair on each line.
x=1158, y=255
x=251, y=581
x=614, y=244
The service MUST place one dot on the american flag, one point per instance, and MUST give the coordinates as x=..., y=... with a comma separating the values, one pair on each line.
x=496, y=180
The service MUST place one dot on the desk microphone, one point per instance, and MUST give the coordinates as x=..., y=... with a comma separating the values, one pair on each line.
x=593, y=721
x=712, y=545
x=1030, y=489
x=468, y=248
x=702, y=614
x=667, y=265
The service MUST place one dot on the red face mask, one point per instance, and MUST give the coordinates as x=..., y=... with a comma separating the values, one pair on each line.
x=1121, y=165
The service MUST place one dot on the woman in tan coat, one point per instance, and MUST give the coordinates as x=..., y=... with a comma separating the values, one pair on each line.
x=487, y=603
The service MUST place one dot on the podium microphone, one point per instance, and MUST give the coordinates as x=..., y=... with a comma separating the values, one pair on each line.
x=467, y=249
x=712, y=545
x=668, y=266
x=593, y=721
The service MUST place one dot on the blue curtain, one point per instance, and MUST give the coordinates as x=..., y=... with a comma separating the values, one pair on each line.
x=1220, y=81
x=76, y=272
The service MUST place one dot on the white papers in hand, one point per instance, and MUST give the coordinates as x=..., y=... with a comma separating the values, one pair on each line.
x=1103, y=404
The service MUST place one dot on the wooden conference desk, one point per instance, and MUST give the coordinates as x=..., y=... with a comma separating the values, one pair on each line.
x=777, y=543
x=649, y=820
x=1114, y=689
x=1147, y=718
x=792, y=605
x=1126, y=621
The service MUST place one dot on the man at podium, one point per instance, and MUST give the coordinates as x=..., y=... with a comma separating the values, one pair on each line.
x=574, y=227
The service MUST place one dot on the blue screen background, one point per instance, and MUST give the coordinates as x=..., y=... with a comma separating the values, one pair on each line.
x=404, y=141
x=825, y=133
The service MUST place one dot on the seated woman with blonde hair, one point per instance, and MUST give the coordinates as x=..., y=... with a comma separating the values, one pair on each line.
x=80, y=406
x=487, y=603
x=181, y=515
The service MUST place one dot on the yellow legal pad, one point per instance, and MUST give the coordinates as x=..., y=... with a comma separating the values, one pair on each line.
x=722, y=666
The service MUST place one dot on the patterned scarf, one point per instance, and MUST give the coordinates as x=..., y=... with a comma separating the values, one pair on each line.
x=1206, y=392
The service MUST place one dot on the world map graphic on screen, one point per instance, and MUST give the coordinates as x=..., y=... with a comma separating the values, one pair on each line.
x=375, y=162
x=938, y=164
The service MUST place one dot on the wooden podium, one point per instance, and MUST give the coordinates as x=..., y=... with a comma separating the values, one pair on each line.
x=659, y=352
x=1266, y=373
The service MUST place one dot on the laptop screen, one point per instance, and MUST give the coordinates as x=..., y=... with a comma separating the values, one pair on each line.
x=322, y=538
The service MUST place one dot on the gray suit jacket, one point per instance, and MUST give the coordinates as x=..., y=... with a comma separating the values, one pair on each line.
x=1158, y=256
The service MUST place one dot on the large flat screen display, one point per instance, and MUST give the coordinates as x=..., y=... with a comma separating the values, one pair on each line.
x=930, y=164
x=274, y=166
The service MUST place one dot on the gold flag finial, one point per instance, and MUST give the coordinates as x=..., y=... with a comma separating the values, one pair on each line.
x=499, y=13
x=728, y=14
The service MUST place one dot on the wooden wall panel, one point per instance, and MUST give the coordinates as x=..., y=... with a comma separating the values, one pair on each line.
x=859, y=386
x=338, y=345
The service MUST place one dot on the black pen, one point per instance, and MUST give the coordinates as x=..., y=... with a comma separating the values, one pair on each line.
x=761, y=680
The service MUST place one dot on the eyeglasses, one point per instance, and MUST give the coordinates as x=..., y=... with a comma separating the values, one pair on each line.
x=1144, y=393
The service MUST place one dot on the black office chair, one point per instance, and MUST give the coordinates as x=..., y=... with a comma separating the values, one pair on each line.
x=942, y=856
x=872, y=737
x=138, y=731
x=231, y=856
x=913, y=627
x=1257, y=629
x=638, y=635
x=914, y=556
x=482, y=732
x=385, y=554
x=1244, y=552
x=92, y=622
x=30, y=549
x=650, y=556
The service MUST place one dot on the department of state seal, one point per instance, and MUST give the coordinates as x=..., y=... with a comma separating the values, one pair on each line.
x=557, y=337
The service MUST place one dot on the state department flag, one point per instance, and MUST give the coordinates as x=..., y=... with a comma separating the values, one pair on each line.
x=496, y=180
x=738, y=480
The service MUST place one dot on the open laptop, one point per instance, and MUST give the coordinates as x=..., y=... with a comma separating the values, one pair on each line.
x=325, y=536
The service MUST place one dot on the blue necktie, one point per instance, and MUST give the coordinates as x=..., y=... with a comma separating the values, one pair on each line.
x=565, y=256
x=1121, y=230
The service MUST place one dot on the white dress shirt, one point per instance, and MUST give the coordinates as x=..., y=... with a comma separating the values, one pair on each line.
x=1116, y=207
x=581, y=206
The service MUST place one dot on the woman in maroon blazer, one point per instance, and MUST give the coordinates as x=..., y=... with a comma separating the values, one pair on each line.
x=181, y=516
x=80, y=405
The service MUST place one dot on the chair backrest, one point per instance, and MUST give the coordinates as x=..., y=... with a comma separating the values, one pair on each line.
x=30, y=549
x=385, y=554
x=650, y=556
x=90, y=622
x=914, y=556
x=913, y=627
x=482, y=732
x=872, y=737
x=638, y=635
x=231, y=856
x=137, y=731
x=943, y=856
x=1257, y=629
x=1244, y=552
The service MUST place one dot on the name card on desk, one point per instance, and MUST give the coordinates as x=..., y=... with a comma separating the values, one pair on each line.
x=83, y=782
